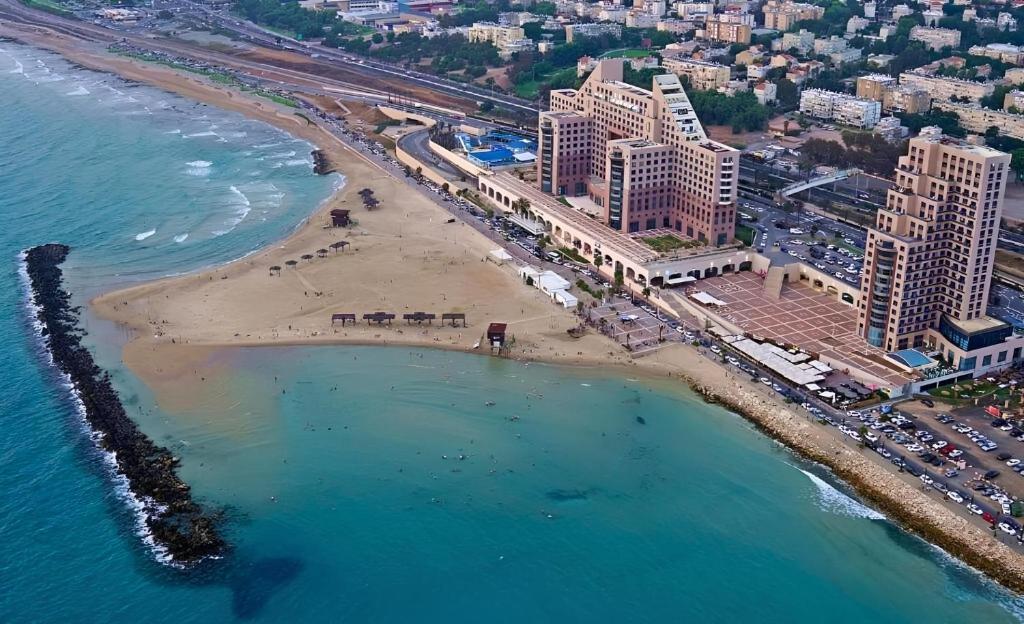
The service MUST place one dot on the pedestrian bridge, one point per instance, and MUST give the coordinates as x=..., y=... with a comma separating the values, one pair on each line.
x=799, y=187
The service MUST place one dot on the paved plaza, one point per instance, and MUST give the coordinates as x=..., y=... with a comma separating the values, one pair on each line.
x=810, y=319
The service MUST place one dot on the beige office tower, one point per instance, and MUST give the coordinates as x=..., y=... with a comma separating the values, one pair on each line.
x=641, y=156
x=928, y=260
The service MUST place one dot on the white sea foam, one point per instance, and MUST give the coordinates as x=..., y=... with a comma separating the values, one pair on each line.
x=199, y=134
x=175, y=131
x=240, y=214
x=834, y=501
x=199, y=167
x=180, y=238
x=240, y=195
x=141, y=236
x=79, y=90
x=297, y=162
x=282, y=155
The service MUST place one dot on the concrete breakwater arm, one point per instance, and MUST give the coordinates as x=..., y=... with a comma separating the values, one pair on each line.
x=181, y=531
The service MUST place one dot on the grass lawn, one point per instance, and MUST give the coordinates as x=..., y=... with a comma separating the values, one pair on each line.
x=626, y=53
x=667, y=243
x=745, y=233
x=50, y=6
x=564, y=201
x=528, y=90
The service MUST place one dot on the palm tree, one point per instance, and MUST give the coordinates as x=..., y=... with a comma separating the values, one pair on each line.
x=646, y=292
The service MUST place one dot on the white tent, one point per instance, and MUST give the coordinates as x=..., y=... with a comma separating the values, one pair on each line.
x=706, y=299
x=528, y=271
x=500, y=256
x=549, y=281
x=567, y=299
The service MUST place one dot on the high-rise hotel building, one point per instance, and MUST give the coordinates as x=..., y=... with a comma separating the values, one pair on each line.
x=928, y=260
x=641, y=156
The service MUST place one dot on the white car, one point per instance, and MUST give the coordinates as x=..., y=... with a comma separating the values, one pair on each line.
x=766, y=381
x=974, y=509
x=926, y=479
x=716, y=350
x=1005, y=528
x=955, y=497
x=1013, y=462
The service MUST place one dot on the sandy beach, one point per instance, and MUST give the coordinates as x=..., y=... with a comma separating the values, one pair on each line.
x=405, y=257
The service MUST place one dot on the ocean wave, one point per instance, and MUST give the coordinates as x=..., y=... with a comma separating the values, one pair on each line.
x=194, y=135
x=834, y=501
x=175, y=131
x=297, y=162
x=282, y=155
x=240, y=214
x=141, y=236
x=180, y=238
x=198, y=168
x=79, y=90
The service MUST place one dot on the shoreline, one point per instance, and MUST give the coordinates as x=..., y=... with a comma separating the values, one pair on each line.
x=895, y=497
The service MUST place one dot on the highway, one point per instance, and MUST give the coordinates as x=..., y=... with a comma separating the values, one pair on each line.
x=257, y=34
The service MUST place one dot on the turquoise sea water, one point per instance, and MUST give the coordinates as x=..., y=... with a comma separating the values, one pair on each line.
x=375, y=485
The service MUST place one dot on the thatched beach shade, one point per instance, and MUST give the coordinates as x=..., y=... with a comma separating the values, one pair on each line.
x=275, y=269
x=306, y=257
x=291, y=263
x=321, y=252
x=339, y=245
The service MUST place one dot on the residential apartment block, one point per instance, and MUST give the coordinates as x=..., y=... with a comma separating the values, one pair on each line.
x=1004, y=52
x=642, y=156
x=802, y=42
x=726, y=32
x=942, y=88
x=894, y=97
x=974, y=118
x=875, y=86
x=783, y=15
x=935, y=38
x=702, y=75
x=842, y=108
x=508, y=39
x=929, y=257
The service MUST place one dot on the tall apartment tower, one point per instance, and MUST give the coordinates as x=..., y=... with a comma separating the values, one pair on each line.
x=928, y=260
x=641, y=156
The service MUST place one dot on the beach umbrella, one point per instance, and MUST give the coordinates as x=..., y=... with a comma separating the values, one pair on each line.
x=306, y=257
x=321, y=252
x=275, y=268
x=338, y=245
x=291, y=263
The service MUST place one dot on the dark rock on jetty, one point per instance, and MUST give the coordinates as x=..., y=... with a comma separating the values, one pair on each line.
x=321, y=166
x=176, y=523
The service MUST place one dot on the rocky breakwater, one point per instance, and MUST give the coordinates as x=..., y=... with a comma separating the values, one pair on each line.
x=321, y=164
x=181, y=531
x=900, y=500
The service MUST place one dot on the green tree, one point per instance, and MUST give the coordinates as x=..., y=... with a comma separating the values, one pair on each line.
x=1017, y=162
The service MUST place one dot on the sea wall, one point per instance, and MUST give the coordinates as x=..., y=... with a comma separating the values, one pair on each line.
x=903, y=503
x=175, y=524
